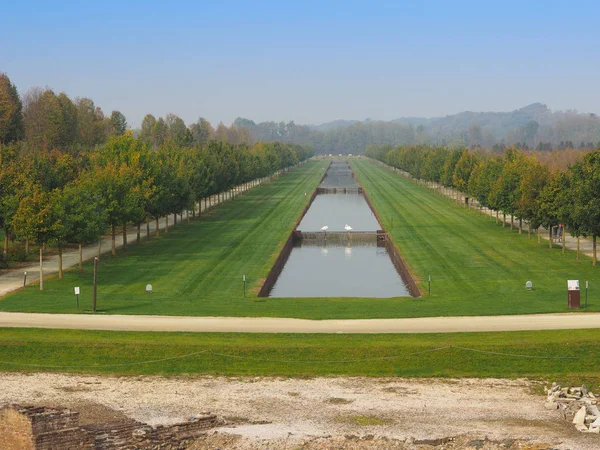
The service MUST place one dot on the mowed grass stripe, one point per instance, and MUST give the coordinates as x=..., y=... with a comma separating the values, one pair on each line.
x=477, y=267
x=195, y=269
x=565, y=356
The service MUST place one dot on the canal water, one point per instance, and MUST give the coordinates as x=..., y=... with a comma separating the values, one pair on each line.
x=339, y=267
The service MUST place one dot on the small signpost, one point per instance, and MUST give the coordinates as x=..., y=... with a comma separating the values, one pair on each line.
x=429, y=284
x=586, y=289
x=244, y=280
x=573, y=294
x=77, y=296
x=24, y=278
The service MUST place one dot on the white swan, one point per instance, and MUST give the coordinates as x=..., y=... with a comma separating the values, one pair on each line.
x=347, y=227
x=325, y=228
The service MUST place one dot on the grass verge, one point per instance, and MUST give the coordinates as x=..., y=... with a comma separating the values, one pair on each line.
x=476, y=266
x=565, y=356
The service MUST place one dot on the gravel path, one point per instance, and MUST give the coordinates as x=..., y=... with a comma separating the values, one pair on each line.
x=278, y=413
x=286, y=325
x=12, y=280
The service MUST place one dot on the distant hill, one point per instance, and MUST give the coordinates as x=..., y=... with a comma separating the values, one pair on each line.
x=533, y=126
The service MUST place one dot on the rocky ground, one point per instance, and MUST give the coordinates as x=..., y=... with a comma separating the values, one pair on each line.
x=319, y=413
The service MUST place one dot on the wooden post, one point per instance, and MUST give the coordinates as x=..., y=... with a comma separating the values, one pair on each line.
x=60, y=264
x=114, y=240
x=95, y=281
x=41, y=268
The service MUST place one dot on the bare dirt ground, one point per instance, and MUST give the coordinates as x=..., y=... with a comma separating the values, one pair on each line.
x=318, y=413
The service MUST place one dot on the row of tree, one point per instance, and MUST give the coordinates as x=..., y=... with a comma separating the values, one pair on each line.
x=43, y=120
x=514, y=184
x=54, y=198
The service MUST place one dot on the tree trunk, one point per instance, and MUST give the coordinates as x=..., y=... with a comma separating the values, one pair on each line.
x=5, y=250
x=60, y=268
x=503, y=220
x=594, y=248
x=550, y=236
x=147, y=228
x=114, y=240
x=174, y=220
x=157, y=231
x=41, y=268
x=139, y=233
x=194, y=211
x=539, y=235
x=564, y=243
x=496, y=217
x=520, y=226
x=577, y=248
x=512, y=221
x=124, y=235
x=167, y=223
x=27, y=246
x=80, y=257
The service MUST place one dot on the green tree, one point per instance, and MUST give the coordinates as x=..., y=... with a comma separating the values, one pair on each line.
x=585, y=177
x=90, y=123
x=202, y=132
x=84, y=217
x=38, y=220
x=11, y=114
x=147, y=129
x=118, y=124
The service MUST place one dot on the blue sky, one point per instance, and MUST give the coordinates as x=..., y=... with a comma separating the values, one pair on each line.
x=306, y=61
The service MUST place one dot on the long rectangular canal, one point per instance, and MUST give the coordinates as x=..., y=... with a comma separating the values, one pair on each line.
x=343, y=264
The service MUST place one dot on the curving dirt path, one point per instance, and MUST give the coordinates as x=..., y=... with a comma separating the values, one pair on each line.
x=286, y=325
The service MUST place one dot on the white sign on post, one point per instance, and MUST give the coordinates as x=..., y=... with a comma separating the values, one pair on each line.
x=76, y=291
x=573, y=285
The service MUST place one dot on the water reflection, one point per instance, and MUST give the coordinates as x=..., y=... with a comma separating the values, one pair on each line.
x=339, y=271
x=337, y=210
x=339, y=267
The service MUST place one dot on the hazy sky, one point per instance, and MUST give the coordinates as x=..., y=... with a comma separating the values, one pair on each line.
x=307, y=61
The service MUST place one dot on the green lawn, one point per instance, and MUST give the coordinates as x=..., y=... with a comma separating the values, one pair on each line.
x=196, y=268
x=550, y=355
x=477, y=267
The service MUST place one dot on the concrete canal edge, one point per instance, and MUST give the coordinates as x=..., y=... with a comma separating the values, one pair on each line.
x=399, y=264
x=382, y=237
x=289, y=244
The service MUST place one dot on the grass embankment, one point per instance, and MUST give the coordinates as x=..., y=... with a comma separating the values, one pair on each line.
x=551, y=355
x=195, y=269
x=477, y=267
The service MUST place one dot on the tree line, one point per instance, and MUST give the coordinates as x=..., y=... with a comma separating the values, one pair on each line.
x=514, y=183
x=68, y=175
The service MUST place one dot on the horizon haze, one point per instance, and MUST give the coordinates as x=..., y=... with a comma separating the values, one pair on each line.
x=311, y=63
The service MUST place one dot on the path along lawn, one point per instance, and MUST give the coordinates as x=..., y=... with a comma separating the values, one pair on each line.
x=569, y=356
x=476, y=266
x=195, y=269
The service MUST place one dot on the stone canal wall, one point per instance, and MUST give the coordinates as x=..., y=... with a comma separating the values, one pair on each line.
x=41, y=428
x=380, y=237
x=287, y=247
x=367, y=237
x=397, y=260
